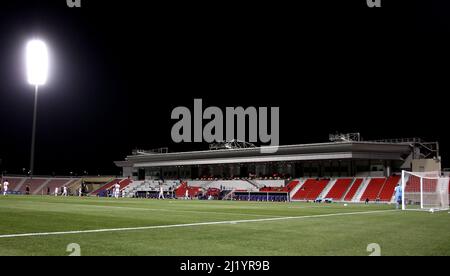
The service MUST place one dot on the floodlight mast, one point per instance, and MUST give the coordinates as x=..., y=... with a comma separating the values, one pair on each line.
x=37, y=70
x=33, y=135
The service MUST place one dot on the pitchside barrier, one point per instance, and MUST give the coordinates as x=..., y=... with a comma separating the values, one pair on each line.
x=425, y=191
x=261, y=196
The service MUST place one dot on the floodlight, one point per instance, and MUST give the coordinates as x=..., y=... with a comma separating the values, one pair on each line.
x=37, y=62
x=37, y=72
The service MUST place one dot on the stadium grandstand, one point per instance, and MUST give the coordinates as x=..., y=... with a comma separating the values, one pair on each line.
x=47, y=185
x=343, y=169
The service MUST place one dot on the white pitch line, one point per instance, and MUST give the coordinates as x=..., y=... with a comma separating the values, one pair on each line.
x=177, y=210
x=158, y=209
x=187, y=225
x=306, y=207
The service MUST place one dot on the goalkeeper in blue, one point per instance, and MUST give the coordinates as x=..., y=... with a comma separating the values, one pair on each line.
x=398, y=195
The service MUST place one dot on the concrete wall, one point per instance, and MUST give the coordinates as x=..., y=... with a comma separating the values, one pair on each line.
x=127, y=172
x=426, y=165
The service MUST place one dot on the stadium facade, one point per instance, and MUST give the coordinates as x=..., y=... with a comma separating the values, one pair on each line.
x=340, y=158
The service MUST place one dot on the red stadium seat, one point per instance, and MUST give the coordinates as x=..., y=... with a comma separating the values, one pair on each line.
x=180, y=192
x=311, y=189
x=339, y=188
x=413, y=185
x=387, y=192
x=124, y=183
x=351, y=193
x=373, y=189
x=105, y=187
x=291, y=186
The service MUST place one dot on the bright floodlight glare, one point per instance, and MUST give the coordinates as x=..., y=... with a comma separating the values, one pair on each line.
x=37, y=62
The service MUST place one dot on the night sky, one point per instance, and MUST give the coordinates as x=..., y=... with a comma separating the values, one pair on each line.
x=118, y=68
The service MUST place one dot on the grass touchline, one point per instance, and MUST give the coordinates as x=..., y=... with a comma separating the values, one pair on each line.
x=189, y=224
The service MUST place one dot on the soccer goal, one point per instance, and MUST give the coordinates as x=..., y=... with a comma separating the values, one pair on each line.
x=425, y=191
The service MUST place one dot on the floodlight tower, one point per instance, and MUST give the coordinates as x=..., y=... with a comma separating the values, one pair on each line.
x=37, y=72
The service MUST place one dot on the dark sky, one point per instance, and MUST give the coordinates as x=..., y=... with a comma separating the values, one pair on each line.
x=120, y=67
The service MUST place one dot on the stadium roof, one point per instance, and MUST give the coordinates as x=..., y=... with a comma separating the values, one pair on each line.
x=305, y=152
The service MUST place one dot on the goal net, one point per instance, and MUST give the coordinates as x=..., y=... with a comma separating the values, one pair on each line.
x=425, y=191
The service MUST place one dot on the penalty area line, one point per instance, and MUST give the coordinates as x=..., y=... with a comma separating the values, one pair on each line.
x=233, y=222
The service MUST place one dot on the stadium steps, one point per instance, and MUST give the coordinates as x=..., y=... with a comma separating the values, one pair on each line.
x=61, y=182
x=229, y=195
x=318, y=189
x=339, y=189
x=125, y=183
x=254, y=184
x=40, y=187
x=13, y=182
x=387, y=191
x=291, y=186
x=311, y=189
x=74, y=185
x=52, y=184
x=373, y=189
x=33, y=184
x=296, y=188
x=105, y=187
x=352, y=189
x=20, y=184
x=361, y=189
x=328, y=188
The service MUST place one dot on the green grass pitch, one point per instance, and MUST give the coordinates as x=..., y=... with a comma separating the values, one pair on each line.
x=190, y=229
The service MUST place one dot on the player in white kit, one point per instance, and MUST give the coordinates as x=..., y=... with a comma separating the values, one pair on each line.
x=56, y=191
x=5, y=187
x=161, y=192
x=116, y=190
x=64, y=191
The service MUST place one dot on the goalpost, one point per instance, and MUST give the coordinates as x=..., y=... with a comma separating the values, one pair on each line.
x=426, y=191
